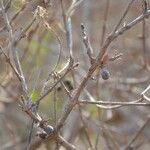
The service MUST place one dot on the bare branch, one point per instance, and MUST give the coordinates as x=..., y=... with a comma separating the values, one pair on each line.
x=87, y=44
x=68, y=29
x=123, y=16
x=58, y=81
x=15, y=55
x=69, y=106
x=64, y=143
x=117, y=104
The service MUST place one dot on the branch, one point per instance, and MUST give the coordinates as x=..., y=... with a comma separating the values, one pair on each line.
x=10, y=63
x=58, y=81
x=143, y=94
x=123, y=16
x=64, y=143
x=69, y=106
x=15, y=54
x=68, y=29
x=110, y=103
x=87, y=43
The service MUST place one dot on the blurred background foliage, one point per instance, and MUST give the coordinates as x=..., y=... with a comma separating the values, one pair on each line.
x=38, y=52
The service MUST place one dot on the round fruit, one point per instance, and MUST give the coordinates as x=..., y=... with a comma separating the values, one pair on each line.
x=105, y=73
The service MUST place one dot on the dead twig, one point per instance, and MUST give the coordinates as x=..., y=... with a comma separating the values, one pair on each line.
x=87, y=44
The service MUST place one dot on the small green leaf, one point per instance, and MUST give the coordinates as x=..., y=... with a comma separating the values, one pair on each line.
x=35, y=95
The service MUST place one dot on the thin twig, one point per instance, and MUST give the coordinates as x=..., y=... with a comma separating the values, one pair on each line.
x=22, y=34
x=117, y=104
x=29, y=40
x=64, y=143
x=137, y=133
x=148, y=88
x=18, y=12
x=15, y=16
x=123, y=16
x=30, y=134
x=32, y=121
x=87, y=43
x=55, y=113
x=143, y=94
x=41, y=13
x=104, y=23
x=10, y=63
x=72, y=7
x=68, y=29
x=8, y=25
x=59, y=45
